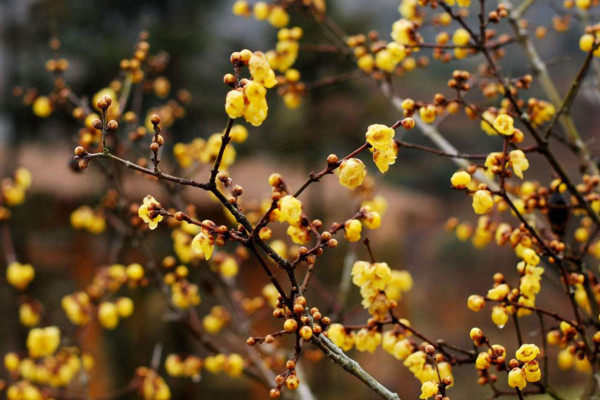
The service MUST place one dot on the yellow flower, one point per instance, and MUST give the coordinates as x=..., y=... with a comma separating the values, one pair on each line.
x=367, y=340
x=461, y=37
x=278, y=17
x=427, y=113
x=384, y=158
x=28, y=315
x=483, y=361
x=42, y=107
x=23, y=178
x=43, y=342
x=516, y=378
x=519, y=162
x=499, y=292
x=401, y=281
x=428, y=389
x=261, y=70
x=366, y=63
x=504, y=124
x=290, y=209
x=235, y=104
x=261, y=10
x=108, y=315
x=352, y=173
x=148, y=212
x=203, y=243
x=19, y=275
x=460, y=179
x=532, y=371
x=352, y=229
x=338, y=335
x=238, y=133
x=299, y=234
x=499, y=316
x=482, y=201
x=475, y=303
x=527, y=352
x=380, y=136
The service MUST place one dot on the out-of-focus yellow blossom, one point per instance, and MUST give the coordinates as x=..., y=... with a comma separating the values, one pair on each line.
x=43, y=342
x=185, y=295
x=28, y=315
x=340, y=337
x=499, y=292
x=108, y=315
x=352, y=173
x=367, y=340
x=85, y=218
x=461, y=37
x=352, y=230
x=77, y=307
x=153, y=386
x=400, y=282
x=238, y=133
x=12, y=193
x=42, y=107
x=482, y=201
x=148, y=212
x=372, y=219
x=299, y=234
x=429, y=389
x=403, y=32
x=19, y=275
x=278, y=17
x=286, y=49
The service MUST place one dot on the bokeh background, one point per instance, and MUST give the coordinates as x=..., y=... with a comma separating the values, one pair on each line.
x=199, y=37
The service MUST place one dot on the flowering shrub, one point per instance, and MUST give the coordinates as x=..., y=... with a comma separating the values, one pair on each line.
x=551, y=225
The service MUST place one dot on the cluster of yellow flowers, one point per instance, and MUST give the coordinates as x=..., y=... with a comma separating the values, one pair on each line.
x=152, y=386
x=590, y=39
x=216, y=320
x=286, y=50
x=529, y=287
x=375, y=281
x=381, y=139
x=12, y=190
x=86, y=218
x=289, y=209
x=568, y=340
x=184, y=294
x=248, y=98
x=188, y=367
x=206, y=151
x=530, y=371
x=232, y=364
x=55, y=370
x=425, y=372
x=81, y=306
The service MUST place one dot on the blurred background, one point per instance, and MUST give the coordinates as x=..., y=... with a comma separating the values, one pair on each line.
x=199, y=37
